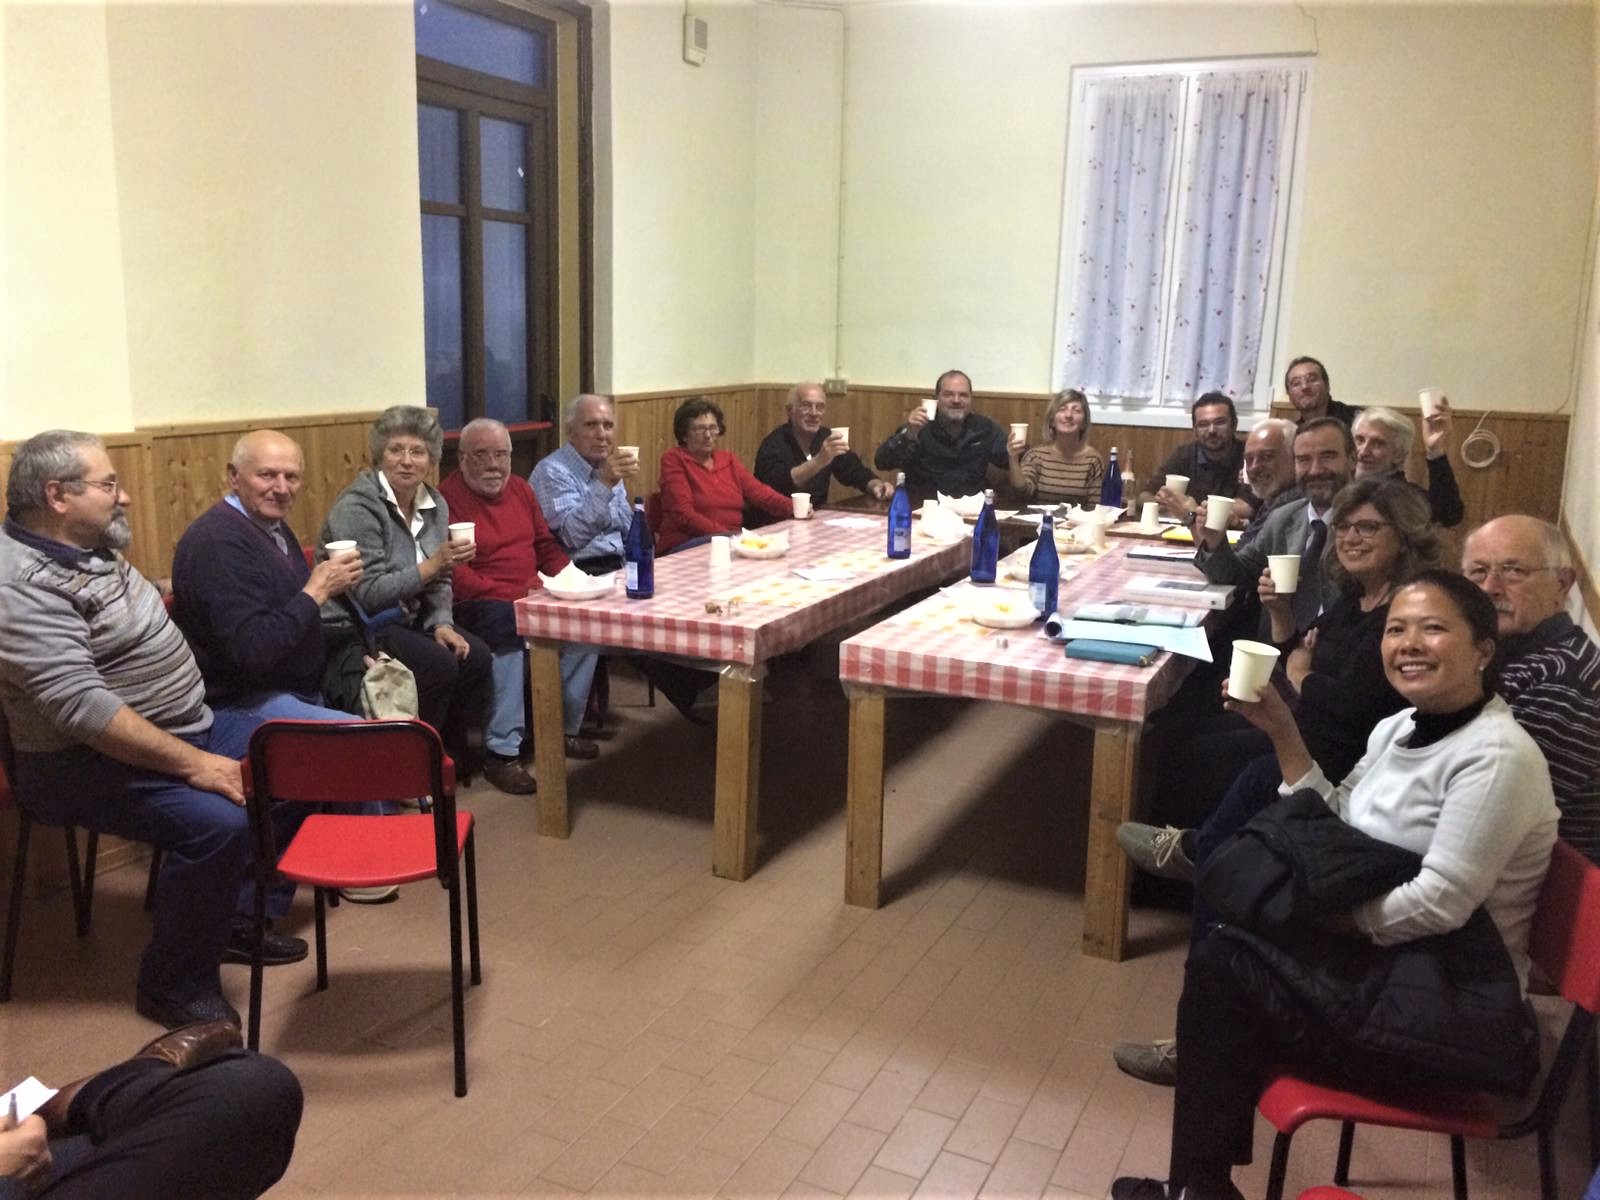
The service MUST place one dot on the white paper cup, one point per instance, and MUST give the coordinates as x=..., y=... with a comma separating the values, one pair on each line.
x=341, y=549
x=1251, y=669
x=930, y=406
x=1429, y=398
x=1218, y=510
x=842, y=431
x=721, y=551
x=1285, y=571
x=1092, y=533
x=802, y=504
x=1178, y=485
x=462, y=531
x=1150, y=516
x=1019, y=429
x=630, y=451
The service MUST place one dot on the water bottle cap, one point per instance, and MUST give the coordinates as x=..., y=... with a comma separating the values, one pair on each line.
x=899, y=478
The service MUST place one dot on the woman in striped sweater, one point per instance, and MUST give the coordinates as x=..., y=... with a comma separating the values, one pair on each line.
x=1066, y=469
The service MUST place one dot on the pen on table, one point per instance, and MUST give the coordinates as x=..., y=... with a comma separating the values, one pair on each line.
x=13, y=1112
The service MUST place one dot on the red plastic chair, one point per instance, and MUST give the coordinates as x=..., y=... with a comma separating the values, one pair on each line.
x=338, y=762
x=1328, y=1193
x=1565, y=945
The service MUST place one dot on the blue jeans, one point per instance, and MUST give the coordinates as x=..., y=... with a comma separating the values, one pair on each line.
x=205, y=836
x=495, y=622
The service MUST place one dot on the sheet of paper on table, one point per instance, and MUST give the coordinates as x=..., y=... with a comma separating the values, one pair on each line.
x=821, y=574
x=1189, y=642
x=853, y=522
x=30, y=1094
x=1140, y=614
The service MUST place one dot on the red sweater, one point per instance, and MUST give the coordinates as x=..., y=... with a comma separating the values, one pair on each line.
x=698, y=500
x=514, y=543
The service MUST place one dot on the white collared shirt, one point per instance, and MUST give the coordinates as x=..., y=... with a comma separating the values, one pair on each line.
x=424, y=500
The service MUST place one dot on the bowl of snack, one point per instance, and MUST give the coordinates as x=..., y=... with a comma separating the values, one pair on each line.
x=575, y=584
x=752, y=544
x=1003, y=611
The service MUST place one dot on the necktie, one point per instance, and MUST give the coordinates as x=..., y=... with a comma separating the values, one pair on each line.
x=283, y=542
x=1308, y=595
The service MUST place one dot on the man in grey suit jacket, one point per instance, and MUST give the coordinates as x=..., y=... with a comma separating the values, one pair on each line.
x=1323, y=458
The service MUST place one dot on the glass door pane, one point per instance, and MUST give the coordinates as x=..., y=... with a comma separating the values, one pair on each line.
x=505, y=320
x=441, y=317
x=503, y=148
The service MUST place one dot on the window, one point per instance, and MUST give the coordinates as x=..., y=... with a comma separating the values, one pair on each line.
x=1175, y=232
x=486, y=153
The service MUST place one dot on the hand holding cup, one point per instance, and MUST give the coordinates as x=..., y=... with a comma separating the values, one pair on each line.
x=919, y=416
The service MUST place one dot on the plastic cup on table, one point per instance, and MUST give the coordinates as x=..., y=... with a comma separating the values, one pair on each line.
x=1218, y=510
x=1092, y=533
x=342, y=549
x=721, y=551
x=1251, y=669
x=1150, y=516
x=802, y=504
x=1178, y=485
x=1285, y=571
x=463, y=531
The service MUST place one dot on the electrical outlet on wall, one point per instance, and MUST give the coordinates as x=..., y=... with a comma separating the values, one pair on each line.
x=836, y=387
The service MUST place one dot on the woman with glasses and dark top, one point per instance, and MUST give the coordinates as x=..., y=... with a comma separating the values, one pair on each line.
x=1332, y=675
x=1454, y=780
x=704, y=490
x=401, y=526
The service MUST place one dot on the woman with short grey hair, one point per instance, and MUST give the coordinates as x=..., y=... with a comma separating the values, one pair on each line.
x=401, y=526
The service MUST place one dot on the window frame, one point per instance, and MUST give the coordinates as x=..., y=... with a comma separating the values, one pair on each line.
x=1174, y=413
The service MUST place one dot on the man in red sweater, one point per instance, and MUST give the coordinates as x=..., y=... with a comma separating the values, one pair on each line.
x=514, y=546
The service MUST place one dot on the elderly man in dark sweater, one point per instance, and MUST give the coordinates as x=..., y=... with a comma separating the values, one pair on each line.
x=108, y=716
x=804, y=455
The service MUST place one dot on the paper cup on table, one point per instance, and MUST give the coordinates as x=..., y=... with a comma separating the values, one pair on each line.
x=342, y=549
x=843, y=432
x=1251, y=669
x=462, y=531
x=1178, y=485
x=721, y=551
x=1285, y=571
x=1150, y=516
x=1092, y=533
x=1218, y=510
x=802, y=504
x=1429, y=398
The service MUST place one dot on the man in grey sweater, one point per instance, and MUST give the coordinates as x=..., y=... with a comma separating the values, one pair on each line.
x=107, y=715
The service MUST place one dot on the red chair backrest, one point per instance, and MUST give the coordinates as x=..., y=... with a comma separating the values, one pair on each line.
x=347, y=762
x=1565, y=941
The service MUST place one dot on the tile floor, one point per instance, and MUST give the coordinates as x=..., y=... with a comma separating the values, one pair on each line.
x=644, y=1029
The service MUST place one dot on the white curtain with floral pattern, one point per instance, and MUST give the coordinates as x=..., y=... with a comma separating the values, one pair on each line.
x=1228, y=218
x=1113, y=326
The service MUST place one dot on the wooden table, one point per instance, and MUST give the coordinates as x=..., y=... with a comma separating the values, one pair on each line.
x=775, y=612
x=933, y=649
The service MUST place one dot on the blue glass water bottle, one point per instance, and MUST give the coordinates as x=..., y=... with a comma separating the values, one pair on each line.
x=900, y=519
x=986, y=542
x=1044, y=570
x=1111, y=485
x=639, y=555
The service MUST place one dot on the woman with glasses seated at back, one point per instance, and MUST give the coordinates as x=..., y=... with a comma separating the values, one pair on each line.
x=703, y=489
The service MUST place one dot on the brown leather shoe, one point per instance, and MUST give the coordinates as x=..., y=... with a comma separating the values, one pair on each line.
x=188, y=1046
x=508, y=776
x=583, y=748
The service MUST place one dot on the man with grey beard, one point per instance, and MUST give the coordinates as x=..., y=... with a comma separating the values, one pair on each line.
x=107, y=714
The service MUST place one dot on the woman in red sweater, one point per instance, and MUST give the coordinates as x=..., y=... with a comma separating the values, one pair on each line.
x=703, y=489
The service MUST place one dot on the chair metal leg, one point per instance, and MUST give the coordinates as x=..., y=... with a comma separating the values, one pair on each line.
x=472, y=908
x=80, y=910
x=91, y=858
x=155, y=878
x=19, y=874
x=1547, y=1165
x=257, y=967
x=458, y=999
x=1347, y=1141
x=321, y=906
x=1592, y=1073
x=1280, y=1166
x=1458, y=1167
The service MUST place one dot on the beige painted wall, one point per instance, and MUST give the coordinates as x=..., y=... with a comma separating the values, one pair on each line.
x=1448, y=182
x=1581, y=488
x=213, y=211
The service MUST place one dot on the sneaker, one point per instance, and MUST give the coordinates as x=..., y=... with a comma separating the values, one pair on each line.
x=371, y=895
x=175, y=1014
x=1157, y=850
x=507, y=775
x=1154, y=1062
x=276, y=948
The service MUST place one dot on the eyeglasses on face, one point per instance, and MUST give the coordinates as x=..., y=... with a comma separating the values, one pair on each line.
x=109, y=486
x=402, y=452
x=488, y=456
x=1510, y=572
x=1362, y=529
x=713, y=429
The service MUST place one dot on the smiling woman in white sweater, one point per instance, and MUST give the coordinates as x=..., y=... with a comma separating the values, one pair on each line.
x=1453, y=778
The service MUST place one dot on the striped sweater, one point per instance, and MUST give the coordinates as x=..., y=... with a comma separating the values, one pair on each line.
x=1551, y=679
x=81, y=635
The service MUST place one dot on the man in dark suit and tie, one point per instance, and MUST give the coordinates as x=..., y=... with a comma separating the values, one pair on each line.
x=1323, y=457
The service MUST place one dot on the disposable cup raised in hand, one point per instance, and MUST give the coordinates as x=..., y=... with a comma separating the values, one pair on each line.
x=1429, y=399
x=1285, y=571
x=1178, y=485
x=802, y=504
x=929, y=407
x=628, y=451
x=842, y=432
x=1019, y=431
x=721, y=551
x=342, y=549
x=1218, y=510
x=1251, y=669
x=462, y=531
x=1150, y=516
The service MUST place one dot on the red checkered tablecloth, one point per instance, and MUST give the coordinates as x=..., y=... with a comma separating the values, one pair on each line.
x=763, y=608
x=935, y=648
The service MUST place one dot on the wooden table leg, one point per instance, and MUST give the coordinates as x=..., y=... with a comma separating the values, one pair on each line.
x=733, y=851
x=863, y=830
x=549, y=738
x=1105, y=882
